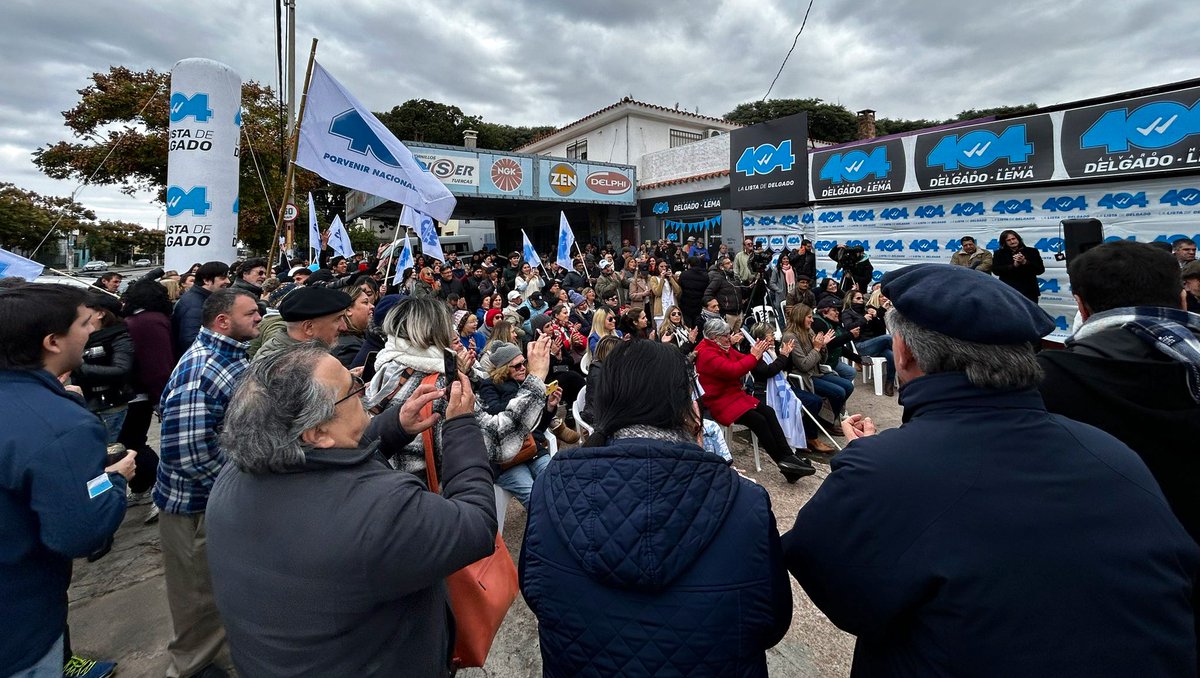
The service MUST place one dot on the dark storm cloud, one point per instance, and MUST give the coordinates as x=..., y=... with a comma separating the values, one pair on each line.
x=550, y=62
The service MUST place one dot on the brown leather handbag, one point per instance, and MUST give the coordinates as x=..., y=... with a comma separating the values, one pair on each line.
x=480, y=593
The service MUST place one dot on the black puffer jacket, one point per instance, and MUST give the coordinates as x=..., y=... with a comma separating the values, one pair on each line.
x=107, y=370
x=692, y=284
x=721, y=288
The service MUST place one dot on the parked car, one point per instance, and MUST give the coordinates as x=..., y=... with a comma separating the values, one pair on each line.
x=54, y=279
x=142, y=262
x=96, y=265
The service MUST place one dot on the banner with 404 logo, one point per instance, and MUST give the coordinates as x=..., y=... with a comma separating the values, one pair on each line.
x=920, y=230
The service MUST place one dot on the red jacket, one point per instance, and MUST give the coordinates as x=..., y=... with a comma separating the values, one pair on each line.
x=721, y=371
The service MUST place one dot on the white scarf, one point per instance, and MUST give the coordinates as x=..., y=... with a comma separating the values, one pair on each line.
x=396, y=356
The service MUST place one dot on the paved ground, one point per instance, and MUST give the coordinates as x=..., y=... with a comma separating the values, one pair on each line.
x=119, y=604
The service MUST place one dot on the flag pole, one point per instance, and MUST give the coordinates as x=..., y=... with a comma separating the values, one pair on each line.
x=392, y=258
x=583, y=260
x=291, y=171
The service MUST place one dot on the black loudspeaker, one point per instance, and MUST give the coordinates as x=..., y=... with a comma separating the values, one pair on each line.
x=1081, y=235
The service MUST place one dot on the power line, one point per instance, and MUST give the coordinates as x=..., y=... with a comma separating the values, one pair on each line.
x=785, y=58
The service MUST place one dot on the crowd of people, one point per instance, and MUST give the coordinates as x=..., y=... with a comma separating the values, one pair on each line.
x=306, y=411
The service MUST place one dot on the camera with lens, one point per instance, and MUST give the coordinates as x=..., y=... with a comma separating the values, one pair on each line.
x=759, y=261
x=848, y=257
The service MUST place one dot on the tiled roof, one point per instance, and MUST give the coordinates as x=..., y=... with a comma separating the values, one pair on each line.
x=627, y=100
x=684, y=180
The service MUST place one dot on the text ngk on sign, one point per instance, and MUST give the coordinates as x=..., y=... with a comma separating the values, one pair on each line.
x=608, y=183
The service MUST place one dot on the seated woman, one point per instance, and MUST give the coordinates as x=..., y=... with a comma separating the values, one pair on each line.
x=635, y=324
x=604, y=323
x=873, y=339
x=672, y=331
x=697, y=585
x=721, y=369
x=509, y=371
x=775, y=362
x=596, y=372
x=808, y=356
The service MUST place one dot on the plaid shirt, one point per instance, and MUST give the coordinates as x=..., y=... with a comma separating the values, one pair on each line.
x=193, y=407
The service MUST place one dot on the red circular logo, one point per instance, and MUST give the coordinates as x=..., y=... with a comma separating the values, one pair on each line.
x=506, y=174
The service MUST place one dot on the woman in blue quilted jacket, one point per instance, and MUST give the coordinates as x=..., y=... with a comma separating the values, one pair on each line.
x=644, y=555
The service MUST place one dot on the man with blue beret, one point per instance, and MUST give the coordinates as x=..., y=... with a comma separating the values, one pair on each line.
x=986, y=536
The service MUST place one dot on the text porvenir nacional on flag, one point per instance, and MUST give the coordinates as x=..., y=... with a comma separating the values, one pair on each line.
x=343, y=142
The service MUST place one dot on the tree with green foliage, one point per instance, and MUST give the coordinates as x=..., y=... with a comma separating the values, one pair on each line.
x=126, y=113
x=428, y=121
x=26, y=217
x=832, y=122
x=508, y=138
x=827, y=122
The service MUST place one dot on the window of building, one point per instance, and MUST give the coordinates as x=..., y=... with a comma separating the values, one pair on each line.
x=680, y=137
x=577, y=150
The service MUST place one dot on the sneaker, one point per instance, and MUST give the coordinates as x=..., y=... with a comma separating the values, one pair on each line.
x=82, y=667
x=138, y=498
x=795, y=468
x=151, y=517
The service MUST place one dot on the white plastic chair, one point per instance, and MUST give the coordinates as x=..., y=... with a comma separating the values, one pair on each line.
x=872, y=369
x=585, y=362
x=728, y=430
x=577, y=408
x=766, y=314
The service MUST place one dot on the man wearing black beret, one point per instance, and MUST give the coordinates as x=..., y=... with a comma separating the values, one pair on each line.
x=986, y=536
x=309, y=313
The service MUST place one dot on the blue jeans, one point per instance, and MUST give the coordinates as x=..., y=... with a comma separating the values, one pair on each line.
x=113, y=421
x=835, y=388
x=49, y=666
x=880, y=346
x=845, y=372
x=519, y=479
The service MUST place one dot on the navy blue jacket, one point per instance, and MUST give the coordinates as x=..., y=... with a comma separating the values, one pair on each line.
x=50, y=447
x=652, y=558
x=987, y=537
x=185, y=319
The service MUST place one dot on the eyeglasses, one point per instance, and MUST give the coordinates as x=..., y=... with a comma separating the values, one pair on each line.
x=517, y=366
x=357, y=388
x=675, y=313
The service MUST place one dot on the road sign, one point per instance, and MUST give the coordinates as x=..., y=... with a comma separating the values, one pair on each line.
x=290, y=212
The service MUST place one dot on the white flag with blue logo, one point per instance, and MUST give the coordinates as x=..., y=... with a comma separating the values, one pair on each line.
x=16, y=265
x=339, y=238
x=405, y=260
x=431, y=244
x=343, y=142
x=314, y=230
x=566, y=238
x=531, y=256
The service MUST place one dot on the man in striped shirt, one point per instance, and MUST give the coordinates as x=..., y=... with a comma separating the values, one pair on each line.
x=193, y=409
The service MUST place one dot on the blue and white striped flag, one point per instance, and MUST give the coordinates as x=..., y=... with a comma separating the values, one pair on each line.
x=566, y=238
x=531, y=256
x=16, y=265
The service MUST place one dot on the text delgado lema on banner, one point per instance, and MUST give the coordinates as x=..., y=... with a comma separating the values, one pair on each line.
x=202, y=163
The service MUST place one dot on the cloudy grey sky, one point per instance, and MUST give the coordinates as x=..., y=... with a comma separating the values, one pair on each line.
x=535, y=62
